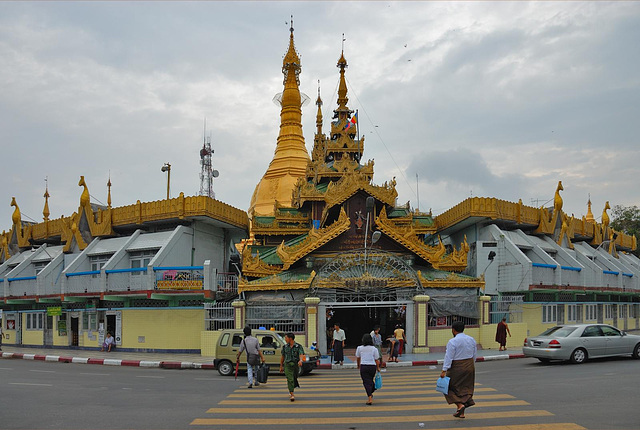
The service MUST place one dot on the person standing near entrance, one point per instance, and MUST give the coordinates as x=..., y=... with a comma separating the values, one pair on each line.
x=254, y=356
x=376, y=338
x=459, y=366
x=398, y=333
x=339, y=339
x=501, y=334
x=290, y=362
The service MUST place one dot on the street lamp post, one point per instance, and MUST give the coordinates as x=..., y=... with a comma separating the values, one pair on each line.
x=167, y=168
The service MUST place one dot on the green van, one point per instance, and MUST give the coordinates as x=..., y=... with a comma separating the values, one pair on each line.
x=271, y=344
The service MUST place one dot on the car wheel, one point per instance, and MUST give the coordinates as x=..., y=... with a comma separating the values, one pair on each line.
x=544, y=360
x=636, y=351
x=225, y=368
x=579, y=356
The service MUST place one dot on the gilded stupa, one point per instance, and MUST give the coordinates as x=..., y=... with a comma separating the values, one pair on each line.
x=332, y=206
x=291, y=157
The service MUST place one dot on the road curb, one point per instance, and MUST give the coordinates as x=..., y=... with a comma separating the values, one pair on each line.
x=210, y=366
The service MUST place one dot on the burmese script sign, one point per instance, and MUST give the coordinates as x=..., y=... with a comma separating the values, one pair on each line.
x=365, y=283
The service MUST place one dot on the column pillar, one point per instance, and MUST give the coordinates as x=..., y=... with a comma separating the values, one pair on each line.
x=311, y=319
x=485, y=315
x=421, y=323
x=239, y=307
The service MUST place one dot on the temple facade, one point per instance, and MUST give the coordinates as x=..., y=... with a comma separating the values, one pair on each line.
x=337, y=247
x=322, y=242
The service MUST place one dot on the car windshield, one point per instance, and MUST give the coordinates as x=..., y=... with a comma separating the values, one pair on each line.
x=559, y=331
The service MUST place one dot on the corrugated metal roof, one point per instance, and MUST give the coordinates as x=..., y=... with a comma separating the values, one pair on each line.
x=48, y=254
x=541, y=243
x=518, y=240
x=108, y=246
x=150, y=241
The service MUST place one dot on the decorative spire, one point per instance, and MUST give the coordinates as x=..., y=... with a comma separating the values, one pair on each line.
x=589, y=217
x=319, y=114
x=291, y=61
x=291, y=157
x=342, y=87
x=45, y=211
x=109, y=191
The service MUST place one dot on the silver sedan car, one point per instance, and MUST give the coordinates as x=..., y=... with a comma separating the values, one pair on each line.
x=579, y=342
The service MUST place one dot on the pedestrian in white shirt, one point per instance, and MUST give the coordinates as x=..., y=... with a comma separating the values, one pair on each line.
x=459, y=366
x=368, y=360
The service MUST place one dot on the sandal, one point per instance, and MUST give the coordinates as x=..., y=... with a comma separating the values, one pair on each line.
x=459, y=413
x=293, y=399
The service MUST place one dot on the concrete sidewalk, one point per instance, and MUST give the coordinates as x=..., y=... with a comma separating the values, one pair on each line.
x=197, y=361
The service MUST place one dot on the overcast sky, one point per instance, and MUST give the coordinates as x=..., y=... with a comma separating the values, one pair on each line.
x=485, y=99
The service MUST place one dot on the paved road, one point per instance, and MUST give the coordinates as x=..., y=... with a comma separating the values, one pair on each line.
x=515, y=395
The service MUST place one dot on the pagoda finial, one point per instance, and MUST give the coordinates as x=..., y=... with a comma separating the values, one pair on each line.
x=291, y=28
x=342, y=87
x=109, y=190
x=319, y=114
x=589, y=217
x=45, y=211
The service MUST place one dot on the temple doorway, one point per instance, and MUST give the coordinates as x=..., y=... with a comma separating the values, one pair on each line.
x=362, y=288
x=356, y=321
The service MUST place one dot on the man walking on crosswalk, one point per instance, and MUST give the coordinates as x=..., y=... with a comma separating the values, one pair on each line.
x=459, y=366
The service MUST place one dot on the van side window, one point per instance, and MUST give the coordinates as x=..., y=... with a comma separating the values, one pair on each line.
x=268, y=342
x=225, y=339
x=237, y=339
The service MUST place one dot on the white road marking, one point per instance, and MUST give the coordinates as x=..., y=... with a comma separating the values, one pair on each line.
x=151, y=377
x=6, y=368
x=43, y=371
x=27, y=383
x=96, y=374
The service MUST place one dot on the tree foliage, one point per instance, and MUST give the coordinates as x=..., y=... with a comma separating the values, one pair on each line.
x=627, y=220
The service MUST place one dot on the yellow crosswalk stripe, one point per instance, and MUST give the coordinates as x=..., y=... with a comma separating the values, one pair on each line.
x=421, y=399
x=336, y=395
x=553, y=426
x=367, y=419
x=379, y=408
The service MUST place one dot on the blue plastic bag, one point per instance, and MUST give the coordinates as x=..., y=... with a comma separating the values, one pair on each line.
x=377, y=381
x=442, y=385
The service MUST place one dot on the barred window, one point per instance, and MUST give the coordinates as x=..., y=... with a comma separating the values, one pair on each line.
x=288, y=317
x=218, y=316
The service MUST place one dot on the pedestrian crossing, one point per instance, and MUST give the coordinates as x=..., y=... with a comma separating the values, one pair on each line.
x=337, y=400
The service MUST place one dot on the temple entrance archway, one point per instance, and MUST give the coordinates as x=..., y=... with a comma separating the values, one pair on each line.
x=361, y=288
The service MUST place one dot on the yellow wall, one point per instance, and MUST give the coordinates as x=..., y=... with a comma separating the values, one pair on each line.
x=162, y=329
x=487, y=337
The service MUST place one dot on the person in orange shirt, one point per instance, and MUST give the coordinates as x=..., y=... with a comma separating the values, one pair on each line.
x=398, y=333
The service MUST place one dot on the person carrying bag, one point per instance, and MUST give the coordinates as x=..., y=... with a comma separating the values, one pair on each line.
x=254, y=356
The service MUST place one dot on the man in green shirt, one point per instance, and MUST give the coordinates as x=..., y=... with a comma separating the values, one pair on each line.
x=291, y=360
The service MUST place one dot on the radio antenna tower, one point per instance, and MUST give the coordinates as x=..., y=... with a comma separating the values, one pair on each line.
x=207, y=173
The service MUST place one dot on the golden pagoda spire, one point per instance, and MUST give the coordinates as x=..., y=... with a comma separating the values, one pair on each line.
x=319, y=114
x=589, y=217
x=109, y=191
x=45, y=211
x=291, y=157
x=342, y=87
